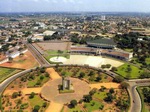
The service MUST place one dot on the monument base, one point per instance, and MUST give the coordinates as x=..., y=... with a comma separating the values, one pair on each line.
x=66, y=91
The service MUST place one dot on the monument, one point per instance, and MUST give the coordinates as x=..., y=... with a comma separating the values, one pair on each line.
x=66, y=86
x=66, y=83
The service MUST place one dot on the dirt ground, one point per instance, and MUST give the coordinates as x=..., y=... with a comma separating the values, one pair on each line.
x=23, y=62
x=107, y=85
x=53, y=74
x=54, y=107
x=30, y=90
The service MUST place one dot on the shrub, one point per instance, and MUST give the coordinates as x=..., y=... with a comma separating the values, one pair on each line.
x=44, y=104
x=14, y=95
x=118, y=79
x=32, y=95
x=124, y=85
x=111, y=90
x=36, y=108
x=73, y=103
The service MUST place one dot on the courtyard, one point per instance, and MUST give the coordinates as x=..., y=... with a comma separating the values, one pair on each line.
x=95, y=61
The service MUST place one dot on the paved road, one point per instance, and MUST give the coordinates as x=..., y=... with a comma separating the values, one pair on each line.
x=134, y=96
x=37, y=55
x=5, y=83
x=135, y=106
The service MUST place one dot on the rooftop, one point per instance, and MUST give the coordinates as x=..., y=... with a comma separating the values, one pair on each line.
x=103, y=41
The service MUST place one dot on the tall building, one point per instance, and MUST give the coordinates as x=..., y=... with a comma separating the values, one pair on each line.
x=103, y=18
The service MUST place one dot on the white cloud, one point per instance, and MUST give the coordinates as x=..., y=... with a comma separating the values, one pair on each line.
x=35, y=0
x=54, y=1
x=68, y=1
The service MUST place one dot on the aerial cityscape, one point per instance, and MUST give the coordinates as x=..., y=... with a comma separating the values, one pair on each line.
x=74, y=56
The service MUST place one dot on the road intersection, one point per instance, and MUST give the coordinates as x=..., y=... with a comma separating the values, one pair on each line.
x=135, y=100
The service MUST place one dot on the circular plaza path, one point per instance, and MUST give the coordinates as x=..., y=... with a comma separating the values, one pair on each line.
x=50, y=91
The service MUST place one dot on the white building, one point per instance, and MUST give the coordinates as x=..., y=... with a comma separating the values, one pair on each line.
x=103, y=18
x=39, y=37
x=49, y=33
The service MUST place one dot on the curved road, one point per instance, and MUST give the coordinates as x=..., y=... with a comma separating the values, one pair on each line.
x=134, y=96
x=5, y=83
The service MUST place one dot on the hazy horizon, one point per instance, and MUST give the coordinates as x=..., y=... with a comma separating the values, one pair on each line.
x=75, y=6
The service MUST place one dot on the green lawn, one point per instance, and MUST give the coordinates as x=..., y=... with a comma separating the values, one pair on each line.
x=92, y=106
x=7, y=72
x=49, y=54
x=144, y=105
x=76, y=109
x=147, y=60
x=133, y=73
x=32, y=83
x=37, y=101
x=100, y=95
x=128, y=50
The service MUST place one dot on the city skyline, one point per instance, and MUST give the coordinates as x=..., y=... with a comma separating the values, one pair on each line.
x=74, y=6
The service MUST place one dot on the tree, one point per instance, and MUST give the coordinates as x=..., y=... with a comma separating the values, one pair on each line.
x=124, y=85
x=118, y=79
x=87, y=98
x=102, y=88
x=98, y=78
x=36, y=108
x=101, y=107
x=44, y=104
x=122, y=104
x=82, y=74
x=29, y=40
x=42, y=70
x=32, y=95
x=109, y=97
x=145, y=75
x=108, y=65
x=146, y=93
x=113, y=69
x=41, y=77
x=14, y=95
x=111, y=90
x=91, y=73
x=93, y=91
x=103, y=66
x=20, y=110
x=73, y=103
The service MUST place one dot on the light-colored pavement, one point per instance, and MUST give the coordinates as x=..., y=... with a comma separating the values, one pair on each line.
x=95, y=61
x=50, y=91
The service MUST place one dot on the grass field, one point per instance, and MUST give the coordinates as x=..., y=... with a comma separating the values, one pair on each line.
x=76, y=109
x=76, y=71
x=144, y=105
x=50, y=54
x=37, y=101
x=7, y=72
x=33, y=83
x=147, y=60
x=92, y=106
x=100, y=95
x=133, y=72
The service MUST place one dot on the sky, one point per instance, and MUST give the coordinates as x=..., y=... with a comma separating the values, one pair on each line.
x=74, y=5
